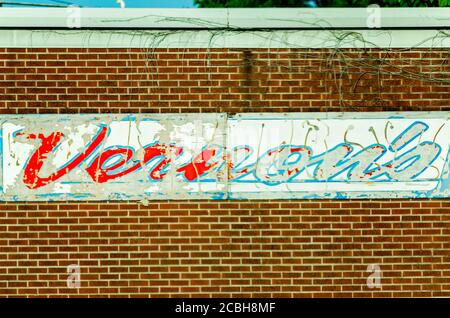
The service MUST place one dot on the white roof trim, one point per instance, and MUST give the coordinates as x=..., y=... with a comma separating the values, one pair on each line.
x=249, y=18
x=151, y=39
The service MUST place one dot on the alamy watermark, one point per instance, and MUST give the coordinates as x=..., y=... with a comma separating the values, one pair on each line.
x=121, y=3
x=73, y=19
x=374, y=279
x=373, y=20
x=74, y=278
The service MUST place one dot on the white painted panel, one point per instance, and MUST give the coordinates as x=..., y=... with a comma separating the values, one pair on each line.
x=245, y=156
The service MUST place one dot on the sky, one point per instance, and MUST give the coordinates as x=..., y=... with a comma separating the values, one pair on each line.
x=114, y=4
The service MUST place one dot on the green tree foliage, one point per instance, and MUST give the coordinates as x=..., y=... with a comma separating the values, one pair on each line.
x=321, y=3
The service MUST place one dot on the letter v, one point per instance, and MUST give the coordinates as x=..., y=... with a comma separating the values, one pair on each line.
x=31, y=176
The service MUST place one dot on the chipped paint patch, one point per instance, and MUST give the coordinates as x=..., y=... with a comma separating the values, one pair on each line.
x=212, y=156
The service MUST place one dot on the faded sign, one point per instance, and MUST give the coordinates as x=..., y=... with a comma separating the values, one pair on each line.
x=111, y=156
x=193, y=156
x=330, y=155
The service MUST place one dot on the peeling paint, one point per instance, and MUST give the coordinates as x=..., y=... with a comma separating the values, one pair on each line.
x=213, y=156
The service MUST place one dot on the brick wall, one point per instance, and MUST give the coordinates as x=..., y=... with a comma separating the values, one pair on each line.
x=224, y=248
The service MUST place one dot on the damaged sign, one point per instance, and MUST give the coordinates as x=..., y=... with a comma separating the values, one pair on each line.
x=111, y=157
x=213, y=156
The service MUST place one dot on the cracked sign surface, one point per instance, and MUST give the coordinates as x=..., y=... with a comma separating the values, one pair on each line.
x=112, y=157
x=245, y=156
x=339, y=155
